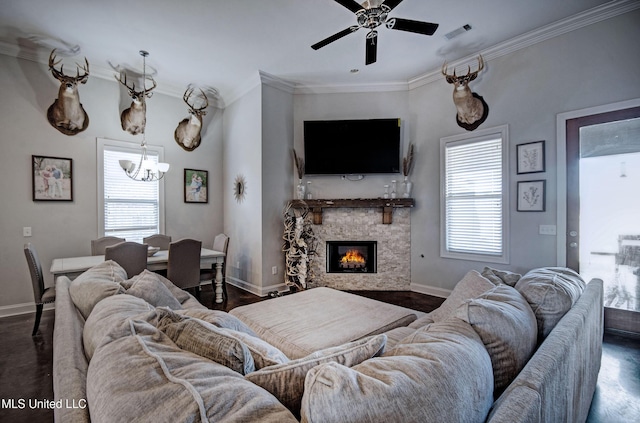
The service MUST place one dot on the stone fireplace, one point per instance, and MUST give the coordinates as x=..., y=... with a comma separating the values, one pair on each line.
x=392, y=247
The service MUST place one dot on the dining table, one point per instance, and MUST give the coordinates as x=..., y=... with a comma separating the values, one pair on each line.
x=72, y=267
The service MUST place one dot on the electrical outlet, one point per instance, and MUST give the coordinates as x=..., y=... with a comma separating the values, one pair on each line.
x=274, y=270
x=547, y=230
x=26, y=231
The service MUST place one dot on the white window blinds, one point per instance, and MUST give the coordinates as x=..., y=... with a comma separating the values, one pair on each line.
x=130, y=209
x=474, y=195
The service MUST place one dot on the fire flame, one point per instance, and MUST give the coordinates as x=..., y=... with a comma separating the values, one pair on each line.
x=352, y=256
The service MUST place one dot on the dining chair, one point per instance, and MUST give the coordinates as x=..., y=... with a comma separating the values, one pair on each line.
x=41, y=294
x=220, y=243
x=183, y=267
x=98, y=245
x=132, y=256
x=158, y=240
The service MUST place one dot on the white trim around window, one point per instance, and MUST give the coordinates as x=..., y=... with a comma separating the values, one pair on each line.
x=474, y=196
x=145, y=202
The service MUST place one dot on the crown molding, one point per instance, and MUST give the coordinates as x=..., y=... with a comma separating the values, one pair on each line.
x=351, y=88
x=260, y=78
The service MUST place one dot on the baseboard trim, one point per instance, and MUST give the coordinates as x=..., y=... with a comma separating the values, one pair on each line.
x=24, y=308
x=430, y=290
x=260, y=291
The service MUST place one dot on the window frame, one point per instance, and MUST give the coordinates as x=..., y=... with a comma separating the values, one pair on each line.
x=102, y=144
x=501, y=132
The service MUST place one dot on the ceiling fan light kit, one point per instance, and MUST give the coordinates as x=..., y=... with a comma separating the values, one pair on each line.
x=370, y=15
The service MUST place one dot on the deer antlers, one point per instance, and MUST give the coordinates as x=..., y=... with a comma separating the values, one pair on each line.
x=132, y=89
x=470, y=76
x=59, y=74
x=192, y=109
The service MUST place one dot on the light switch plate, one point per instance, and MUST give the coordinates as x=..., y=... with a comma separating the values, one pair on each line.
x=547, y=229
x=26, y=231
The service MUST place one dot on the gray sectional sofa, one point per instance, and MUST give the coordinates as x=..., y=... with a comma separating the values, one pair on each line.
x=501, y=348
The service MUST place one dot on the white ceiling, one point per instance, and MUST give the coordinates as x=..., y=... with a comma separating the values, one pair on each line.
x=222, y=44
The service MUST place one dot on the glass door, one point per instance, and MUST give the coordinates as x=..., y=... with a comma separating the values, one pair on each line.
x=603, y=209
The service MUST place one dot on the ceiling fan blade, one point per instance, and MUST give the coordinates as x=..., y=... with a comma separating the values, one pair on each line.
x=351, y=5
x=371, y=49
x=419, y=27
x=392, y=3
x=335, y=37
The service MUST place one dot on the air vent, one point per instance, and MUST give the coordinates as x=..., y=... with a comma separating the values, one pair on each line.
x=457, y=32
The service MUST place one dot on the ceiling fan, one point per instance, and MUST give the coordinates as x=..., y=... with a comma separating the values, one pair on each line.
x=370, y=15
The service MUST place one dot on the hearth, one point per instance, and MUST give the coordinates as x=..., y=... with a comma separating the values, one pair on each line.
x=351, y=256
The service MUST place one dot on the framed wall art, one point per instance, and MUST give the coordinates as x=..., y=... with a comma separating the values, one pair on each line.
x=196, y=186
x=531, y=196
x=530, y=157
x=52, y=178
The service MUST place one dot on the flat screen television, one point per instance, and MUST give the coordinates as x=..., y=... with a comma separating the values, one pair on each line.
x=345, y=147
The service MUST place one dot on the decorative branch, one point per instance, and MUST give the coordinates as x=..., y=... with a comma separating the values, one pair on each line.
x=299, y=244
x=407, y=162
x=299, y=164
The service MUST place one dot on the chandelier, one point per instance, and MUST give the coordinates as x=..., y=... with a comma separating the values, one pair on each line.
x=146, y=170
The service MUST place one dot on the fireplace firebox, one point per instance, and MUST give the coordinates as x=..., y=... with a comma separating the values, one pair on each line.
x=351, y=256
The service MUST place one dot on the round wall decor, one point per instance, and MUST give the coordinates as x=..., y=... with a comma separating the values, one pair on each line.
x=239, y=188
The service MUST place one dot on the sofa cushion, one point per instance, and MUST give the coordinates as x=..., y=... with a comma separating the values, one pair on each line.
x=550, y=292
x=107, y=321
x=185, y=299
x=205, y=340
x=148, y=286
x=498, y=277
x=421, y=321
x=472, y=285
x=442, y=375
x=217, y=318
x=507, y=327
x=286, y=381
x=100, y=281
x=394, y=336
x=146, y=377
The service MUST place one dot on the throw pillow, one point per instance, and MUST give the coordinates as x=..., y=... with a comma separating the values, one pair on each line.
x=550, y=292
x=218, y=318
x=443, y=375
x=264, y=354
x=100, y=281
x=472, y=285
x=205, y=340
x=286, y=381
x=505, y=323
x=148, y=286
x=498, y=277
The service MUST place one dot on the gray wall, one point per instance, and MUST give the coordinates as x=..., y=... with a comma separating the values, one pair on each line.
x=526, y=89
x=63, y=229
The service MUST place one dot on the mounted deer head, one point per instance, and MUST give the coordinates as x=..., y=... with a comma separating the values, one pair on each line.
x=66, y=113
x=134, y=118
x=187, y=134
x=472, y=109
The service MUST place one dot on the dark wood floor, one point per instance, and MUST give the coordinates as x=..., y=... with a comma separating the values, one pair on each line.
x=26, y=362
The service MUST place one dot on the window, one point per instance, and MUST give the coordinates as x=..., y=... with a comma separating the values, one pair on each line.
x=474, y=196
x=126, y=208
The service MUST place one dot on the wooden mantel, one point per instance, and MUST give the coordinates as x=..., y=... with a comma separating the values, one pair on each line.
x=386, y=204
